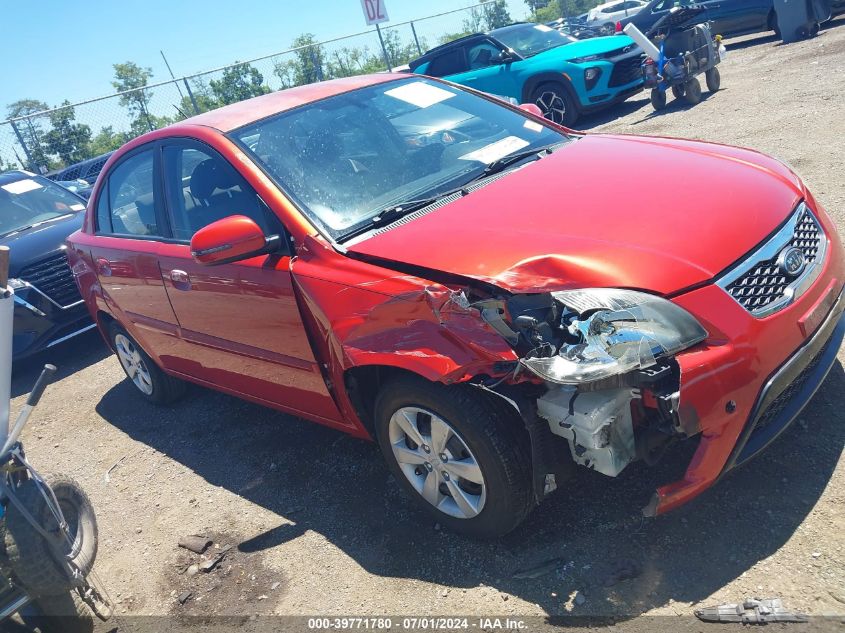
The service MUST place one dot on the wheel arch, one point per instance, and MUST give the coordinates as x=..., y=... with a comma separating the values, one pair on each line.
x=562, y=79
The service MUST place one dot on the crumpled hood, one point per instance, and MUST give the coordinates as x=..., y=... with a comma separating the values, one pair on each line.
x=606, y=211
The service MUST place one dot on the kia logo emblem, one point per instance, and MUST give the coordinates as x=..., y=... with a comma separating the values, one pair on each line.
x=792, y=261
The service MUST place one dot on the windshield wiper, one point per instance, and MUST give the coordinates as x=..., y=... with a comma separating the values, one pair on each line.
x=504, y=162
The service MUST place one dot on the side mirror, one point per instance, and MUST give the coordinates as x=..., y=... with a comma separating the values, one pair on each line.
x=231, y=239
x=531, y=108
x=504, y=57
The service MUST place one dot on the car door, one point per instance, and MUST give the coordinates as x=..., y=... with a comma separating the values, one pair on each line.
x=239, y=323
x=130, y=226
x=485, y=71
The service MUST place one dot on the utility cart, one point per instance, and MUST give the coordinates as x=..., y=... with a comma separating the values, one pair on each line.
x=48, y=531
x=686, y=50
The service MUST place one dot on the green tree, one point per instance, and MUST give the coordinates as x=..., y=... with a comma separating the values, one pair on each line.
x=285, y=71
x=203, y=96
x=398, y=51
x=238, y=83
x=311, y=64
x=67, y=139
x=496, y=14
x=130, y=76
x=31, y=131
x=107, y=140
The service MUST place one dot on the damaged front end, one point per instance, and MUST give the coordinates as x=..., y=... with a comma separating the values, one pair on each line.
x=601, y=362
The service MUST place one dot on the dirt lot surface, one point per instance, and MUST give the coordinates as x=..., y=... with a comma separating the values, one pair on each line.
x=318, y=526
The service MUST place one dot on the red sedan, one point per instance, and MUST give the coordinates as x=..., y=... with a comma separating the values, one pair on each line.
x=497, y=300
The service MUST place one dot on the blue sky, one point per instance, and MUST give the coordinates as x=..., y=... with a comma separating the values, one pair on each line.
x=58, y=49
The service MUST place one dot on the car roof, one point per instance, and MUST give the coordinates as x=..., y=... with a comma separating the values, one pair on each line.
x=237, y=115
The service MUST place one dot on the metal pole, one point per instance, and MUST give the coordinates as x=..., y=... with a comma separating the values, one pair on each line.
x=7, y=300
x=166, y=63
x=383, y=49
x=30, y=162
x=416, y=39
x=191, y=95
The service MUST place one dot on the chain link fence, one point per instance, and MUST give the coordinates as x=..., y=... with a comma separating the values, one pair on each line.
x=49, y=141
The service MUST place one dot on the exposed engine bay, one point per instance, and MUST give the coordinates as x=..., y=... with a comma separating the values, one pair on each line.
x=602, y=360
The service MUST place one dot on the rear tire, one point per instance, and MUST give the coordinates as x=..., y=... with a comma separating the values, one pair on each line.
x=41, y=566
x=713, y=79
x=556, y=104
x=658, y=98
x=482, y=434
x=692, y=91
x=148, y=379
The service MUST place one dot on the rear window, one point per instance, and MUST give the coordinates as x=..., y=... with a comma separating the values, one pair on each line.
x=449, y=63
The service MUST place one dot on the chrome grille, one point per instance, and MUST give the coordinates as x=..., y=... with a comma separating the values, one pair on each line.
x=53, y=278
x=760, y=285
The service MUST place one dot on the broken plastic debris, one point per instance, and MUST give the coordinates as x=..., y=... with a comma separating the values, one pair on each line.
x=753, y=611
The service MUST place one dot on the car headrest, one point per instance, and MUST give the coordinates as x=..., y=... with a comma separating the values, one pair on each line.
x=209, y=175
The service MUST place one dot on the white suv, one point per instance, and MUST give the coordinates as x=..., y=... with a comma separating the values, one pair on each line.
x=604, y=17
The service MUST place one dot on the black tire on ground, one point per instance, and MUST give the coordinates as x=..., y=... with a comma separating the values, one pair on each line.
x=66, y=613
x=494, y=435
x=556, y=103
x=692, y=91
x=162, y=388
x=678, y=91
x=713, y=79
x=658, y=98
x=41, y=565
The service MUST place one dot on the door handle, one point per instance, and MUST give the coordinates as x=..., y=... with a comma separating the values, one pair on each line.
x=103, y=267
x=180, y=279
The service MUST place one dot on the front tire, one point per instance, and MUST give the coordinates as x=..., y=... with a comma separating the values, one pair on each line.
x=713, y=79
x=462, y=457
x=658, y=98
x=41, y=565
x=556, y=104
x=692, y=91
x=148, y=379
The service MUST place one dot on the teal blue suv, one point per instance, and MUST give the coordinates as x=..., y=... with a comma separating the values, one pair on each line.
x=534, y=63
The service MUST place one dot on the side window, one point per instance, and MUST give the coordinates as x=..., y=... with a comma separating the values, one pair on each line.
x=202, y=187
x=481, y=55
x=130, y=197
x=449, y=63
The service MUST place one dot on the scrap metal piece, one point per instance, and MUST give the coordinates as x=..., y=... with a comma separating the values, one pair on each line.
x=753, y=611
x=195, y=543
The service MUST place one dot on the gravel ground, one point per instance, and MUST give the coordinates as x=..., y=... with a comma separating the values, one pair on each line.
x=318, y=527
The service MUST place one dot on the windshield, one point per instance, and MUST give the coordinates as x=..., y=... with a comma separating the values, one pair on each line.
x=346, y=158
x=530, y=39
x=32, y=200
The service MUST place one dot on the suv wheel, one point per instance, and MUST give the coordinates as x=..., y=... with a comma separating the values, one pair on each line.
x=555, y=103
x=150, y=381
x=463, y=458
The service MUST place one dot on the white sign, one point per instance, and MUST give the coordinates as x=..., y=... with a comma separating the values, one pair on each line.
x=374, y=11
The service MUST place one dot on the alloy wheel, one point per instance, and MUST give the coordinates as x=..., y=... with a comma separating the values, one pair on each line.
x=552, y=106
x=133, y=364
x=437, y=462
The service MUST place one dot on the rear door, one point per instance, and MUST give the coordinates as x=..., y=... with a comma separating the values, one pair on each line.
x=131, y=228
x=240, y=325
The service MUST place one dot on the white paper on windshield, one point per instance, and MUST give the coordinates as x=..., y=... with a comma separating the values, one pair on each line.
x=420, y=94
x=496, y=150
x=77, y=207
x=22, y=186
x=543, y=27
x=532, y=125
